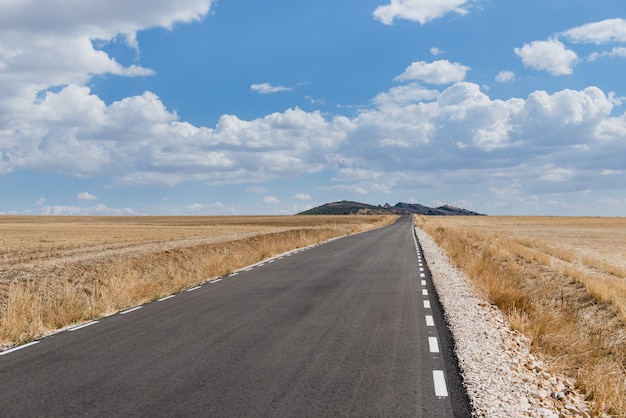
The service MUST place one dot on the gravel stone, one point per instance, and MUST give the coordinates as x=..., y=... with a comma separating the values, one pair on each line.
x=502, y=377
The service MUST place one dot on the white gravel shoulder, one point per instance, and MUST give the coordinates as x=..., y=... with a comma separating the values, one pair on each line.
x=502, y=377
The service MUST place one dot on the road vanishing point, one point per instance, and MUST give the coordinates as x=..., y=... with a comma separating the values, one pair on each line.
x=351, y=327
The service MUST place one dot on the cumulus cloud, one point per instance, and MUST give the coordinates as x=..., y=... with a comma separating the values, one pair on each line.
x=436, y=51
x=267, y=88
x=421, y=11
x=437, y=72
x=86, y=196
x=605, y=31
x=98, y=210
x=505, y=77
x=270, y=200
x=551, y=56
x=615, y=52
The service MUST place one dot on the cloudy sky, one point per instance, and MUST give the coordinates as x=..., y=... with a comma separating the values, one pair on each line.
x=200, y=107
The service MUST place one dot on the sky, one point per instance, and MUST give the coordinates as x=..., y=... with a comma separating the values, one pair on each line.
x=242, y=107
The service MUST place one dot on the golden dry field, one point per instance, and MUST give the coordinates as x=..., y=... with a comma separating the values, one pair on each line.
x=559, y=280
x=58, y=271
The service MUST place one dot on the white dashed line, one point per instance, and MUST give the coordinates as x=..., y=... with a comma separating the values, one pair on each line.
x=424, y=292
x=216, y=280
x=430, y=322
x=433, y=344
x=233, y=274
x=131, y=310
x=422, y=275
x=19, y=347
x=166, y=298
x=249, y=269
x=83, y=326
x=423, y=282
x=193, y=288
x=441, y=390
x=426, y=304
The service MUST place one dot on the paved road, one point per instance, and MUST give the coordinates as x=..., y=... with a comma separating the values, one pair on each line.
x=341, y=329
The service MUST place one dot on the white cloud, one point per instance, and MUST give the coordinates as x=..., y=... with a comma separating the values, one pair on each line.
x=421, y=11
x=412, y=92
x=303, y=196
x=436, y=51
x=216, y=208
x=611, y=172
x=437, y=72
x=557, y=174
x=267, y=88
x=615, y=52
x=505, y=77
x=270, y=200
x=48, y=43
x=605, y=31
x=86, y=196
x=98, y=210
x=551, y=56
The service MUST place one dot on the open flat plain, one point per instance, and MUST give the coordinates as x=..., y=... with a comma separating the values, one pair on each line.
x=56, y=271
x=561, y=281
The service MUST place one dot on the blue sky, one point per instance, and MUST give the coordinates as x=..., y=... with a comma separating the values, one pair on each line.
x=198, y=107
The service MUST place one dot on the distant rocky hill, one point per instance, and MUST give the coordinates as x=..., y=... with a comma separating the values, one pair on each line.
x=345, y=207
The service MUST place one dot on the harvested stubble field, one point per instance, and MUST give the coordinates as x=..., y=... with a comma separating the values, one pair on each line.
x=58, y=271
x=559, y=280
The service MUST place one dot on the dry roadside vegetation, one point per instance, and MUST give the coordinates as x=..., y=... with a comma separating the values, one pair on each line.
x=59, y=271
x=561, y=281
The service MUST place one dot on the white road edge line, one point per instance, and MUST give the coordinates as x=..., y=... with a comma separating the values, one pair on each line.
x=82, y=326
x=426, y=304
x=216, y=280
x=441, y=390
x=433, y=344
x=166, y=298
x=19, y=347
x=430, y=322
x=131, y=310
x=424, y=292
x=194, y=288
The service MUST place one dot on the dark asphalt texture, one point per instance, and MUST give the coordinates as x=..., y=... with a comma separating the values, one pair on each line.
x=335, y=330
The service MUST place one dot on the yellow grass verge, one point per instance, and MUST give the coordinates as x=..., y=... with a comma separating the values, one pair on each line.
x=87, y=290
x=573, y=309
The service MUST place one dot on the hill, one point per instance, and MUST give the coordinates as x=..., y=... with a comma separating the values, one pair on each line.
x=345, y=207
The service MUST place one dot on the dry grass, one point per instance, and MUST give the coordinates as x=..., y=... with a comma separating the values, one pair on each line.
x=560, y=281
x=62, y=271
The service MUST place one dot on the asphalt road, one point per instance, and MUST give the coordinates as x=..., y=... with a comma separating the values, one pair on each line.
x=340, y=329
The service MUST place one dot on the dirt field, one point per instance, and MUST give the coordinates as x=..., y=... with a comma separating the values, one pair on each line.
x=56, y=271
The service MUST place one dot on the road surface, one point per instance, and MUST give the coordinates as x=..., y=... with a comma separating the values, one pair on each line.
x=348, y=328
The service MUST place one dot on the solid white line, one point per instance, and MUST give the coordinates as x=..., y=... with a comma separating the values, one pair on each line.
x=433, y=344
x=166, y=298
x=430, y=322
x=423, y=282
x=424, y=292
x=19, y=347
x=131, y=310
x=193, y=288
x=82, y=326
x=426, y=304
x=441, y=389
x=216, y=280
